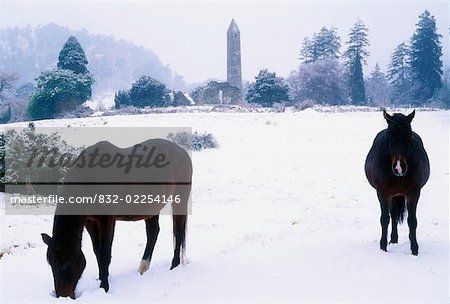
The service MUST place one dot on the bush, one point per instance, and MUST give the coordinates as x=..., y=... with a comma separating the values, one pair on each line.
x=78, y=112
x=146, y=91
x=194, y=141
x=15, y=151
x=267, y=89
x=58, y=91
x=303, y=105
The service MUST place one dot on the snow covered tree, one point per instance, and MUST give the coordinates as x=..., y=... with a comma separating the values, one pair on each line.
x=146, y=91
x=377, y=88
x=399, y=75
x=58, y=91
x=325, y=44
x=64, y=88
x=7, y=82
x=322, y=82
x=72, y=57
x=426, y=53
x=267, y=89
x=328, y=43
x=356, y=55
x=307, y=52
x=398, y=68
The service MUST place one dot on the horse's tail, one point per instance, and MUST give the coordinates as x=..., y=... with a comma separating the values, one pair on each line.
x=398, y=208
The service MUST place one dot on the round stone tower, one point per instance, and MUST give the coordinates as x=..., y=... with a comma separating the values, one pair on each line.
x=234, y=73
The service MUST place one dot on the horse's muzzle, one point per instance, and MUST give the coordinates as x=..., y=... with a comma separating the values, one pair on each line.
x=399, y=166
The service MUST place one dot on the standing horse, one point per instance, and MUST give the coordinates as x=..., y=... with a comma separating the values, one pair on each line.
x=397, y=166
x=64, y=253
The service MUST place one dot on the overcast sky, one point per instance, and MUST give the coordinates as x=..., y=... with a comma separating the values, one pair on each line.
x=191, y=36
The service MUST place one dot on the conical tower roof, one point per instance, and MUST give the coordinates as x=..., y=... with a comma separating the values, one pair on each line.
x=233, y=26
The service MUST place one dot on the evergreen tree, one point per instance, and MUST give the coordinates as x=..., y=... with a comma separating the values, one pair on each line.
x=377, y=88
x=58, y=91
x=307, y=54
x=267, y=89
x=64, y=88
x=398, y=74
x=328, y=43
x=426, y=53
x=323, y=45
x=72, y=57
x=356, y=82
x=356, y=55
x=146, y=91
x=398, y=68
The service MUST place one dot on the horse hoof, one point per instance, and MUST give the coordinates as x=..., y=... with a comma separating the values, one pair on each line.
x=393, y=242
x=175, y=263
x=144, y=266
x=383, y=245
x=415, y=249
x=105, y=286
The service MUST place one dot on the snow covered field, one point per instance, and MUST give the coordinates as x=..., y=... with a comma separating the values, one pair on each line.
x=282, y=211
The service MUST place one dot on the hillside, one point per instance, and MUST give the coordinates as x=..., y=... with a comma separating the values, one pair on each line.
x=114, y=63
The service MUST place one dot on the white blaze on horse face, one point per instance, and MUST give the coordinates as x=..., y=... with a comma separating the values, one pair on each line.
x=398, y=167
x=144, y=266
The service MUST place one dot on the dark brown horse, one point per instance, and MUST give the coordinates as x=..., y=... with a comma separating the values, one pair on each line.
x=168, y=172
x=397, y=166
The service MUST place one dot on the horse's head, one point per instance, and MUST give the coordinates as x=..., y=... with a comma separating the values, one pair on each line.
x=399, y=136
x=67, y=266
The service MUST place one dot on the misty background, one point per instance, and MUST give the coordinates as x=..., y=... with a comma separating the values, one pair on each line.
x=184, y=42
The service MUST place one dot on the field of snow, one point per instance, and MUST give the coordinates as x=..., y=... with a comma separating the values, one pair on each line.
x=282, y=211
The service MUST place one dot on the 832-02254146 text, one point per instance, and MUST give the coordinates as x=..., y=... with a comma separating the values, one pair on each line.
x=96, y=199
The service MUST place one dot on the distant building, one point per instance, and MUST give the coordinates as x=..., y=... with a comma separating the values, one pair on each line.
x=234, y=72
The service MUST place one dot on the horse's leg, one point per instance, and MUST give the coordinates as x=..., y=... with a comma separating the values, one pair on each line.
x=179, y=231
x=107, y=226
x=384, y=220
x=412, y=221
x=152, y=229
x=394, y=232
x=94, y=231
x=397, y=209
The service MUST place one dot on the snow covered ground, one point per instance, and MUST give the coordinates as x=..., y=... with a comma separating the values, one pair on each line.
x=282, y=211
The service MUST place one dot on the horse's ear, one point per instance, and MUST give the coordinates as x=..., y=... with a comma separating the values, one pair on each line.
x=46, y=238
x=411, y=116
x=387, y=116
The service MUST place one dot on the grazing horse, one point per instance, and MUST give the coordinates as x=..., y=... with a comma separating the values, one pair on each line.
x=397, y=166
x=172, y=177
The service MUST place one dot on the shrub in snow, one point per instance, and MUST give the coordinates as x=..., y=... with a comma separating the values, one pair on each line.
x=15, y=151
x=303, y=105
x=146, y=91
x=78, y=112
x=267, y=89
x=194, y=141
x=58, y=91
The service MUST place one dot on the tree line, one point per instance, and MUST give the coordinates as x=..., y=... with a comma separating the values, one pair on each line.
x=325, y=76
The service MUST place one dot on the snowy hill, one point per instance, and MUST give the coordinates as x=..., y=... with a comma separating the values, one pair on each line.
x=282, y=211
x=114, y=63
